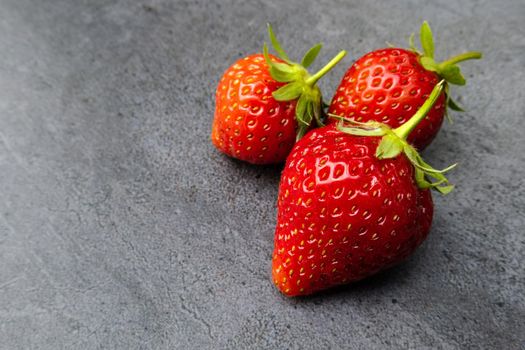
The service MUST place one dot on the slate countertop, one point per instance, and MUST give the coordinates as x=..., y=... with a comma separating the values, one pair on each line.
x=121, y=227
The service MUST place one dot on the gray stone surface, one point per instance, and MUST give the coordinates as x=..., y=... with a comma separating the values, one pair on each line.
x=121, y=227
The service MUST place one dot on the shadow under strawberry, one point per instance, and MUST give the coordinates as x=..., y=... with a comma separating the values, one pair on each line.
x=363, y=288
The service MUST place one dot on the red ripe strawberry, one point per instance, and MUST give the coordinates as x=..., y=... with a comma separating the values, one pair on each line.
x=263, y=103
x=352, y=201
x=388, y=85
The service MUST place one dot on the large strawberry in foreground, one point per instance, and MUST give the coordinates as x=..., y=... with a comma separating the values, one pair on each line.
x=353, y=200
x=264, y=103
x=389, y=85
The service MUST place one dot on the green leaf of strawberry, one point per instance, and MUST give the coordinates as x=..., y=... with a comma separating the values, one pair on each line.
x=289, y=92
x=453, y=105
x=427, y=40
x=311, y=55
x=389, y=147
x=277, y=46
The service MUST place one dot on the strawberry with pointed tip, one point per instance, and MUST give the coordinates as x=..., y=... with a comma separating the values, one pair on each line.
x=390, y=84
x=353, y=200
x=264, y=103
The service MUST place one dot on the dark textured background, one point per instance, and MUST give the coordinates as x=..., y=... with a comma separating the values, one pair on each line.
x=122, y=227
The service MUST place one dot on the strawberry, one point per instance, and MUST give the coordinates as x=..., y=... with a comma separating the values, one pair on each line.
x=264, y=103
x=353, y=200
x=390, y=84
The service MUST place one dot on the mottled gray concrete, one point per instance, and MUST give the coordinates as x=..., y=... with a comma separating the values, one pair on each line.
x=121, y=227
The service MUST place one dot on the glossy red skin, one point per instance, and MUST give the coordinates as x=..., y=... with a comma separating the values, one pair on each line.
x=249, y=124
x=389, y=86
x=343, y=214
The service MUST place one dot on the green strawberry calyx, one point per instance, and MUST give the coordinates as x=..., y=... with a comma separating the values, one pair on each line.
x=394, y=142
x=301, y=86
x=447, y=70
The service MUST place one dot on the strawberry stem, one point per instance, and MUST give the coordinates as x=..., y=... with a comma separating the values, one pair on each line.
x=404, y=130
x=472, y=55
x=314, y=78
